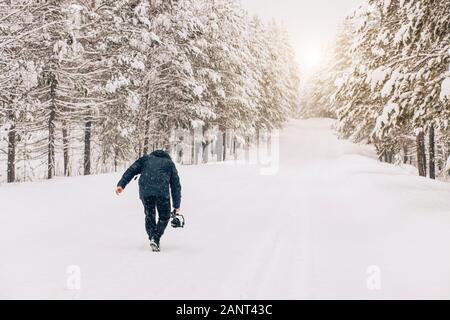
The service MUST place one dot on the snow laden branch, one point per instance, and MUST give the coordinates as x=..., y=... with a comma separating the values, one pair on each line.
x=388, y=82
x=88, y=86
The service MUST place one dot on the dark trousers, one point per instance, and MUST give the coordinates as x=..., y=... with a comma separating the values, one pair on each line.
x=155, y=229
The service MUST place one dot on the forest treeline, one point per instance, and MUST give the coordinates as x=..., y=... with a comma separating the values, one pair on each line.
x=387, y=81
x=87, y=85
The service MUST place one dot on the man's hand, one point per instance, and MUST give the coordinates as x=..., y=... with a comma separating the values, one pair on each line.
x=177, y=210
x=119, y=190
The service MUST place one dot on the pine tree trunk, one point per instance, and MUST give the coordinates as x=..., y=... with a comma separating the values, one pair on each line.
x=421, y=156
x=405, y=154
x=269, y=144
x=205, y=153
x=87, y=146
x=231, y=143
x=11, y=166
x=223, y=150
x=147, y=128
x=258, y=145
x=432, y=156
x=192, y=146
x=146, y=137
x=205, y=145
x=116, y=156
x=234, y=147
x=247, y=149
x=51, y=128
x=65, y=134
x=166, y=141
x=446, y=157
x=51, y=144
x=224, y=145
x=440, y=157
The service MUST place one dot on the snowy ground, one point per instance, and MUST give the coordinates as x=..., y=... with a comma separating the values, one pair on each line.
x=311, y=231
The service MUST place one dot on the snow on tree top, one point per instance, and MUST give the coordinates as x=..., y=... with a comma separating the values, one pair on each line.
x=377, y=76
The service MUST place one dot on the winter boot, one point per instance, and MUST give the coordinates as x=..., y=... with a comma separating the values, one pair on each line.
x=154, y=244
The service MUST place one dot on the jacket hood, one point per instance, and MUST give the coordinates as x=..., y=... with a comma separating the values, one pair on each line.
x=161, y=154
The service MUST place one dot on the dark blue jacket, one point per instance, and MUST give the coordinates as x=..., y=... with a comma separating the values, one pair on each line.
x=158, y=172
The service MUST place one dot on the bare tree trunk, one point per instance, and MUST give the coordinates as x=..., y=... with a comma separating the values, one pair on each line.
x=432, y=156
x=421, y=156
x=65, y=134
x=87, y=146
x=11, y=168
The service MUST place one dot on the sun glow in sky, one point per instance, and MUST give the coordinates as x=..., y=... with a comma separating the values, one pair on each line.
x=310, y=57
x=312, y=25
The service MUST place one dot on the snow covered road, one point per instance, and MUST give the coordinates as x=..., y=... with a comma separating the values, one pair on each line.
x=332, y=221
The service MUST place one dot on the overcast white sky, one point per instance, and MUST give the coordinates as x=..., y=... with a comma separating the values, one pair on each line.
x=312, y=24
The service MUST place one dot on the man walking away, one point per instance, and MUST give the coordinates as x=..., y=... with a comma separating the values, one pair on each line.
x=158, y=173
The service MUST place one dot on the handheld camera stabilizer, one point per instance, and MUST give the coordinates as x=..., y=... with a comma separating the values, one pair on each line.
x=178, y=220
